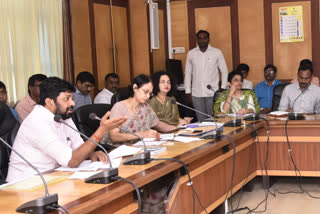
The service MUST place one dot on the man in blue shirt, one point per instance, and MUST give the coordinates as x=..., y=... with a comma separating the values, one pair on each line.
x=264, y=90
x=84, y=84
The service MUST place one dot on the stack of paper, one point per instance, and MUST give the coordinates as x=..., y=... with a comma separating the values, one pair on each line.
x=278, y=113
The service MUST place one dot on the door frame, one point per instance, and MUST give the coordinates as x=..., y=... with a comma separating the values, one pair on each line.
x=233, y=4
x=119, y=3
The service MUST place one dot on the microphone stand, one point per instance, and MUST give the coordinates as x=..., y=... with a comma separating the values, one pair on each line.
x=139, y=159
x=39, y=205
x=104, y=177
x=297, y=116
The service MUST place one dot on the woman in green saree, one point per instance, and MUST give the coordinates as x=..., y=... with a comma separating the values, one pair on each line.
x=161, y=102
x=242, y=101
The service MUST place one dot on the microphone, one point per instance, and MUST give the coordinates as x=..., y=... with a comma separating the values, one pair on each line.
x=40, y=205
x=139, y=159
x=232, y=123
x=103, y=177
x=293, y=115
x=216, y=134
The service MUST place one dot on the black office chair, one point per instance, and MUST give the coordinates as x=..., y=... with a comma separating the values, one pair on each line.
x=122, y=94
x=81, y=117
x=8, y=130
x=277, y=92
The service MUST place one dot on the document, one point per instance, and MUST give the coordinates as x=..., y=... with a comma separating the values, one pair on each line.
x=150, y=143
x=186, y=139
x=88, y=165
x=124, y=150
x=82, y=175
x=278, y=113
x=163, y=137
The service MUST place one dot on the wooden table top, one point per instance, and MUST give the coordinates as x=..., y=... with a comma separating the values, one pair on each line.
x=76, y=194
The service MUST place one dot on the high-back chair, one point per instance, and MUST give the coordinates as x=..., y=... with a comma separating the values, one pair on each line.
x=277, y=92
x=8, y=130
x=81, y=117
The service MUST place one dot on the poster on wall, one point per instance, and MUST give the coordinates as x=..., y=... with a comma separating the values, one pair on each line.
x=291, y=24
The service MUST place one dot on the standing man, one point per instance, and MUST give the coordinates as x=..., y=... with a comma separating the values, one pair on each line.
x=84, y=84
x=202, y=70
x=302, y=96
x=48, y=144
x=264, y=90
x=26, y=105
x=111, y=82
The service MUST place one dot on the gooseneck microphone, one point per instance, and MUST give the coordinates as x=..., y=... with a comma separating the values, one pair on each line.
x=293, y=115
x=103, y=177
x=216, y=134
x=39, y=205
x=139, y=159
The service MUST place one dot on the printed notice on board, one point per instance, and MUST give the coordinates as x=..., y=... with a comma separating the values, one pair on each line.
x=291, y=24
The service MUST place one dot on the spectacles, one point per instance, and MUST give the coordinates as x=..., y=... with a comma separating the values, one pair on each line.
x=36, y=85
x=270, y=72
x=237, y=80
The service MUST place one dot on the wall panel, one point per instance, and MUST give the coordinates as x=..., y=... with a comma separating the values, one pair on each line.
x=103, y=42
x=286, y=56
x=140, y=37
x=81, y=36
x=217, y=21
x=251, y=36
x=179, y=28
x=159, y=55
x=121, y=35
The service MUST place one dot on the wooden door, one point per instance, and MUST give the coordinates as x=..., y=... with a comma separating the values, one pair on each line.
x=111, y=48
x=220, y=19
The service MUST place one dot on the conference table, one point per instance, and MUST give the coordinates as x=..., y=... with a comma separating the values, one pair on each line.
x=210, y=164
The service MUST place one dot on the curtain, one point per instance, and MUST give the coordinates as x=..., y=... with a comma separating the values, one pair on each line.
x=31, y=42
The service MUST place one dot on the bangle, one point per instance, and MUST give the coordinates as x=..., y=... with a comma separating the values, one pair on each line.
x=98, y=138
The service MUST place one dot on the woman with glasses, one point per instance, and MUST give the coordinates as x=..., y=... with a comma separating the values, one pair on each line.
x=141, y=118
x=234, y=100
x=163, y=102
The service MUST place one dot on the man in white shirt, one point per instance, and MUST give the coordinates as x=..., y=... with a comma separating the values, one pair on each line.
x=48, y=144
x=111, y=82
x=302, y=96
x=202, y=70
x=244, y=69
